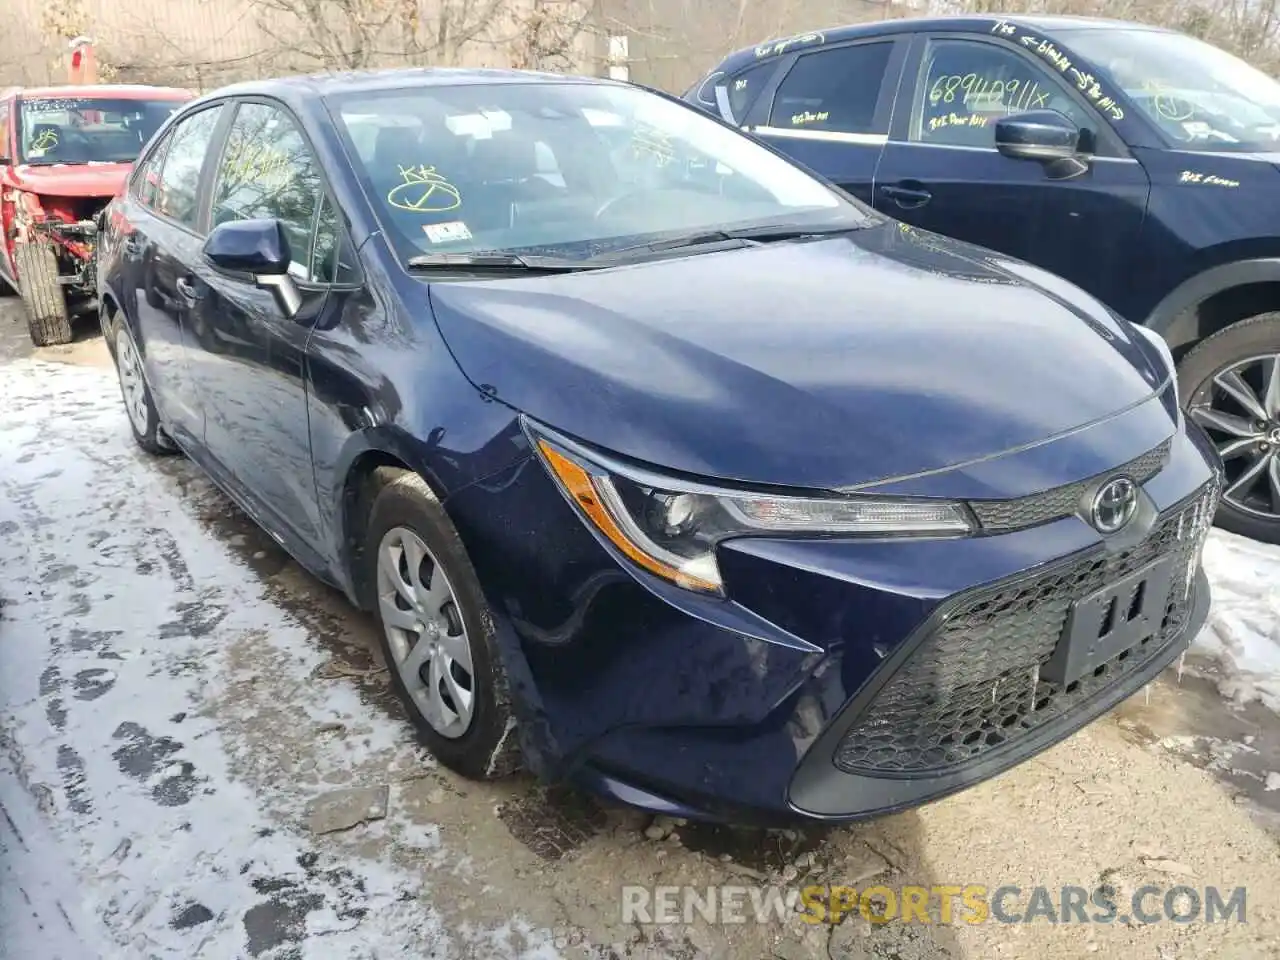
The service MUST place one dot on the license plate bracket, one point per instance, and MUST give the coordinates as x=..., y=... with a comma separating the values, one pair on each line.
x=1103, y=625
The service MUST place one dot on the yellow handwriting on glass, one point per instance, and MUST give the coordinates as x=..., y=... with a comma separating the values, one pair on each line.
x=47, y=140
x=263, y=166
x=956, y=120
x=1014, y=96
x=1206, y=179
x=653, y=143
x=423, y=190
x=781, y=46
x=798, y=119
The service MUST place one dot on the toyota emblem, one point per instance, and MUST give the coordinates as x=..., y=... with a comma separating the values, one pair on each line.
x=1114, y=504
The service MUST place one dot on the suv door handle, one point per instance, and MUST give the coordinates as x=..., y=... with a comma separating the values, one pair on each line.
x=187, y=289
x=906, y=197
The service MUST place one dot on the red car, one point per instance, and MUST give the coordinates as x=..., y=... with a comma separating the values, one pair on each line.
x=65, y=151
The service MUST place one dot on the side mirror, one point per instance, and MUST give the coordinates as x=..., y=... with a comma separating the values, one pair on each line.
x=1044, y=135
x=260, y=249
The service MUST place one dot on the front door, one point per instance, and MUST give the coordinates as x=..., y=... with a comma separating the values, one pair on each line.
x=941, y=171
x=830, y=110
x=248, y=358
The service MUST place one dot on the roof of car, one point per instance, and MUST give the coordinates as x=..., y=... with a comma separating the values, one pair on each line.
x=781, y=46
x=95, y=91
x=328, y=84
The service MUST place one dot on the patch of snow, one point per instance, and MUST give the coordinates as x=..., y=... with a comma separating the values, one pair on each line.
x=1240, y=645
x=158, y=711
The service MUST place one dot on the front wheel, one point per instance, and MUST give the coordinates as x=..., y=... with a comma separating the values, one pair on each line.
x=437, y=633
x=1230, y=384
x=48, y=319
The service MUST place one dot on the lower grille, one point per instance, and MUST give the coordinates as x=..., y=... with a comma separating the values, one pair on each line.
x=974, y=685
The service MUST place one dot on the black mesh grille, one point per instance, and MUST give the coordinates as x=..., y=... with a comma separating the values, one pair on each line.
x=1002, y=516
x=973, y=686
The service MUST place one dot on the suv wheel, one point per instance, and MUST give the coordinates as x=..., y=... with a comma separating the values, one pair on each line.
x=1230, y=384
x=47, y=316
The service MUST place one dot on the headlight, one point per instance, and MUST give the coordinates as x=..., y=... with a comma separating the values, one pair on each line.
x=671, y=527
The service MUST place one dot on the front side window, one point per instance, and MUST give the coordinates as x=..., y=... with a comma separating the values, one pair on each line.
x=833, y=90
x=267, y=171
x=570, y=169
x=178, y=190
x=1200, y=97
x=967, y=86
x=88, y=129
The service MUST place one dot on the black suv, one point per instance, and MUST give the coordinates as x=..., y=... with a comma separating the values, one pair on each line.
x=1138, y=163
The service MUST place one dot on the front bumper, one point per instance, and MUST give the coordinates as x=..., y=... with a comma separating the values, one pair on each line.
x=841, y=679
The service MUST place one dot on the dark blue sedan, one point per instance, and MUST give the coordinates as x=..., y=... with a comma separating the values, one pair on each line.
x=664, y=466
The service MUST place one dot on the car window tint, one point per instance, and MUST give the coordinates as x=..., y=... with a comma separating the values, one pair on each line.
x=267, y=171
x=968, y=86
x=179, y=183
x=833, y=90
x=746, y=86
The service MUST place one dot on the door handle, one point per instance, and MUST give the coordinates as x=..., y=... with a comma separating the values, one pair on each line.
x=187, y=289
x=907, y=197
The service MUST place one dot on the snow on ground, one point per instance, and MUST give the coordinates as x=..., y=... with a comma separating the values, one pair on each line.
x=140, y=659
x=1239, y=648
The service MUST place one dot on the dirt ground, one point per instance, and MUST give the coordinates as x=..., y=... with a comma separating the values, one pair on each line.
x=181, y=708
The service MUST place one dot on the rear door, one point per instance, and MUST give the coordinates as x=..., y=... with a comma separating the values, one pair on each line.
x=163, y=239
x=941, y=171
x=828, y=108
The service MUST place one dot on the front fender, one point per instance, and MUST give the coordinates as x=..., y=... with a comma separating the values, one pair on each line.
x=1174, y=317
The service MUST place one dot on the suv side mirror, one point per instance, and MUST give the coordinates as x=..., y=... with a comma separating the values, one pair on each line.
x=260, y=249
x=1038, y=135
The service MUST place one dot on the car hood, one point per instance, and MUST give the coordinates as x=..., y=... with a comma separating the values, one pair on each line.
x=878, y=354
x=72, y=179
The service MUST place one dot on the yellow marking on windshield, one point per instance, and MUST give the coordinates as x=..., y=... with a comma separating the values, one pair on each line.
x=424, y=190
x=47, y=140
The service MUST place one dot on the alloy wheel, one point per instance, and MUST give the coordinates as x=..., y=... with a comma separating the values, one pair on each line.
x=1239, y=406
x=425, y=632
x=133, y=386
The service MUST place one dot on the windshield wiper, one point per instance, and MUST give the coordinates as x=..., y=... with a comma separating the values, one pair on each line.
x=499, y=261
x=748, y=236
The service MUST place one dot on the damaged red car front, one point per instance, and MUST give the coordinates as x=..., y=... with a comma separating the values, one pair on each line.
x=64, y=153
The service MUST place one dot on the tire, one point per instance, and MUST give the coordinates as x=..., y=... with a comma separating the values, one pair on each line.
x=485, y=747
x=1255, y=337
x=140, y=408
x=47, y=318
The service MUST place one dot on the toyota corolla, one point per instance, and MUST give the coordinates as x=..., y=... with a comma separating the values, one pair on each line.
x=664, y=466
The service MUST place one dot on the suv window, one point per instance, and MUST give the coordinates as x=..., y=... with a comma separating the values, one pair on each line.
x=833, y=90
x=267, y=171
x=177, y=189
x=967, y=86
x=746, y=86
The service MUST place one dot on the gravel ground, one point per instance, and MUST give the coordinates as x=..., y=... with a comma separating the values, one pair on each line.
x=200, y=759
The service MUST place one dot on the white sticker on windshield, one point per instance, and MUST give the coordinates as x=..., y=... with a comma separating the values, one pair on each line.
x=446, y=232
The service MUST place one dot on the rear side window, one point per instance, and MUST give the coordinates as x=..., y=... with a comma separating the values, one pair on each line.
x=746, y=86
x=179, y=185
x=833, y=90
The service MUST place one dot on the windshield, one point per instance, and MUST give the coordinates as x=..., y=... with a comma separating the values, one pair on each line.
x=1201, y=97
x=88, y=130
x=570, y=169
